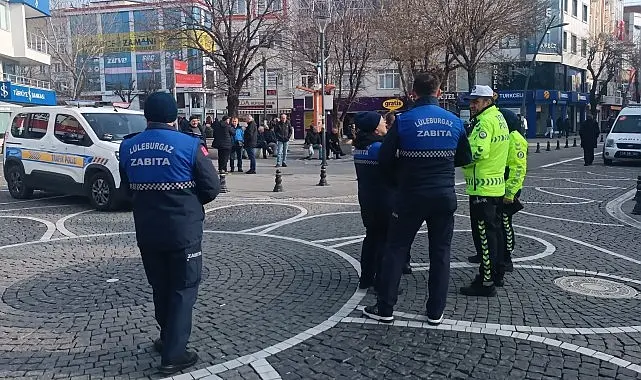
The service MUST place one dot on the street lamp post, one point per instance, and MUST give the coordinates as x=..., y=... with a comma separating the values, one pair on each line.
x=322, y=11
x=264, y=90
x=548, y=27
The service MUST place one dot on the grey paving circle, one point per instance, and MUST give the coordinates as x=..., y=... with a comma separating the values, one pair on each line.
x=258, y=292
x=14, y=230
x=595, y=287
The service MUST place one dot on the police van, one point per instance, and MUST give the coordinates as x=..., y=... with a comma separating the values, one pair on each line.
x=624, y=140
x=69, y=150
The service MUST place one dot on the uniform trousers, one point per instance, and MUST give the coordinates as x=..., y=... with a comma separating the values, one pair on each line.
x=409, y=213
x=487, y=233
x=376, y=222
x=508, y=235
x=223, y=158
x=174, y=277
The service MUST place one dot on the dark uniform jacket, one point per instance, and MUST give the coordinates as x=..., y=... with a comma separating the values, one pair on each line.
x=422, y=148
x=251, y=135
x=223, y=136
x=589, y=133
x=170, y=178
x=374, y=191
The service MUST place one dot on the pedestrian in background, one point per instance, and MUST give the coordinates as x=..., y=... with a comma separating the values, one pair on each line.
x=589, y=134
x=283, y=132
x=420, y=153
x=223, y=140
x=485, y=182
x=170, y=177
x=374, y=194
x=250, y=141
x=237, y=145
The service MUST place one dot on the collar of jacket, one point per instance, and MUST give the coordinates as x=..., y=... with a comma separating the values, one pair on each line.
x=154, y=125
x=484, y=110
x=426, y=100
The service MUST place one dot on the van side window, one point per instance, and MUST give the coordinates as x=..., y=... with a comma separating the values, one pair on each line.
x=68, y=130
x=30, y=125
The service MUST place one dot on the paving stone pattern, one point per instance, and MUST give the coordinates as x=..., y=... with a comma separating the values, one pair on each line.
x=80, y=307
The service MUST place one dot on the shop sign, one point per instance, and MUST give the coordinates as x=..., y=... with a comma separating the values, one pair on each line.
x=393, y=104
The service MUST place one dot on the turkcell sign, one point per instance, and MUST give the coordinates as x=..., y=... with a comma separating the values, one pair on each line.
x=14, y=93
x=41, y=6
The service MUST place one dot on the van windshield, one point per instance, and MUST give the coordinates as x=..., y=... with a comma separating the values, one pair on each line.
x=115, y=126
x=627, y=124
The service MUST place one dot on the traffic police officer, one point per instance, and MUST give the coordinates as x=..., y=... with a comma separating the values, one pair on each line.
x=170, y=177
x=374, y=194
x=420, y=151
x=514, y=176
x=485, y=182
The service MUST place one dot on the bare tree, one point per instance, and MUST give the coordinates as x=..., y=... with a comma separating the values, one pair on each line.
x=350, y=48
x=473, y=29
x=126, y=93
x=74, y=44
x=604, y=57
x=234, y=34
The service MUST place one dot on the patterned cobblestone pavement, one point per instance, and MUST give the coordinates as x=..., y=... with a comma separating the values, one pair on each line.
x=279, y=296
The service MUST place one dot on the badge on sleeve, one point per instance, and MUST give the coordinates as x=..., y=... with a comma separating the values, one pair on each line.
x=520, y=154
x=482, y=134
x=204, y=150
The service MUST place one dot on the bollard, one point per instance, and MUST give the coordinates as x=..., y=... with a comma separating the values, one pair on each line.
x=323, y=176
x=547, y=148
x=223, y=183
x=558, y=146
x=637, y=206
x=566, y=143
x=601, y=137
x=278, y=187
x=574, y=143
x=538, y=148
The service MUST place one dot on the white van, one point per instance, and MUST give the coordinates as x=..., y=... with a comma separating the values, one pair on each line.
x=624, y=140
x=69, y=150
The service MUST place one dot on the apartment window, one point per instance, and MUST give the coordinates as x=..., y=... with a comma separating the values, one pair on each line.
x=4, y=17
x=584, y=48
x=565, y=41
x=272, y=6
x=238, y=7
x=145, y=21
x=585, y=13
x=307, y=80
x=573, y=46
x=389, y=80
x=565, y=5
x=115, y=22
x=575, y=6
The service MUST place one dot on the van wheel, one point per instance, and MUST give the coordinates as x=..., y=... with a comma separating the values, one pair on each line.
x=16, y=183
x=102, y=192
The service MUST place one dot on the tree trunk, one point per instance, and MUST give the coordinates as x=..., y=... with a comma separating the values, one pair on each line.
x=471, y=77
x=232, y=103
x=637, y=96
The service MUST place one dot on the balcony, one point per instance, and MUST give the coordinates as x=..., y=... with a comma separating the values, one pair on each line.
x=28, y=47
x=17, y=79
x=37, y=43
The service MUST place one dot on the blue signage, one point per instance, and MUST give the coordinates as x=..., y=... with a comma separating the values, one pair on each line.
x=41, y=6
x=510, y=97
x=14, y=93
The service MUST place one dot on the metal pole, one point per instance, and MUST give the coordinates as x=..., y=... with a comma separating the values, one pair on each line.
x=322, y=100
x=264, y=90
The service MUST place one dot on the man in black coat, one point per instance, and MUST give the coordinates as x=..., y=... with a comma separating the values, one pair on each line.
x=283, y=133
x=589, y=134
x=223, y=138
x=250, y=143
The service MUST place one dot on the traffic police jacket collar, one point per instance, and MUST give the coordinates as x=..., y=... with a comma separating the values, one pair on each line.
x=155, y=125
x=426, y=100
x=483, y=110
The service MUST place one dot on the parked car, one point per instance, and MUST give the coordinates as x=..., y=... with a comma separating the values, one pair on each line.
x=623, y=142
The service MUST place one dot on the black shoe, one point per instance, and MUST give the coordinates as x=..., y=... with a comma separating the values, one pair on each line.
x=231, y=170
x=158, y=345
x=434, y=321
x=478, y=290
x=374, y=312
x=250, y=172
x=284, y=165
x=509, y=266
x=499, y=282
x=474, y=259
x=407, y=269
x=187, y=360
x=240, y=170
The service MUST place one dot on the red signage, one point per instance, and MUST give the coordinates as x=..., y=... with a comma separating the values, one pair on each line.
x=189, y=80
x=180, y=67
x=271, y=92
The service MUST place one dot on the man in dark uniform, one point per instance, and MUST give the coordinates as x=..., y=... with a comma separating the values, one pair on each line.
x=589, y=134
x=170, y=178
x=374, y=194
x=250, y=143
x=223, y=139
x=420, y=151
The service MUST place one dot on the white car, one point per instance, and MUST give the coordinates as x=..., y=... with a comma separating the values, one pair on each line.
x=624, y=140
x=69, y=150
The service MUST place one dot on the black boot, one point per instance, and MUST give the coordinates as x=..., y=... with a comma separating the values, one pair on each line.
x=188, y=359
x=478, y=289
x=474, y=259
x=407, y=269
